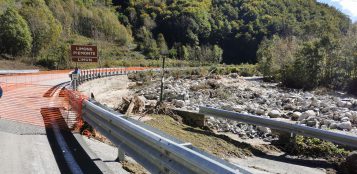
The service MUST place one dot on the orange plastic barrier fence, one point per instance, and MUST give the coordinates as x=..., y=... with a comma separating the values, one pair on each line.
x=38, y=98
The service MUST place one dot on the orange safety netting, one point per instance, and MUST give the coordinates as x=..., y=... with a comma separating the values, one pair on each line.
x=39, y=98
x=26, y=96
x=76, y=102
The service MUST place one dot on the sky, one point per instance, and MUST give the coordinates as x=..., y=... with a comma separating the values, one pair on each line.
x=348, y=7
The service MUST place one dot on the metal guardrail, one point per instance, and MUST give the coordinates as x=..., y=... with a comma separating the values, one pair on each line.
x=90, y=74
x=155, y=152
x=282, y=126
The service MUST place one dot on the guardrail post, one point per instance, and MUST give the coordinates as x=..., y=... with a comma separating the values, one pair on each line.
x=121, y=155
x=90, y=74
x=85, y=75
x=75, y=85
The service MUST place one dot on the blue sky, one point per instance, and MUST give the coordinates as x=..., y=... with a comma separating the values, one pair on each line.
x=348, y=7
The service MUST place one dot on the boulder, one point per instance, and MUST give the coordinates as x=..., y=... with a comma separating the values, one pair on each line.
x=324, y=104
x=265, y=130
x=345, y=125
x=351, y=162
x=186, y=97
x=234, y=75
x=345, y=119
x=289, y=107
x=295, y=116
x=315, y=102
x=341, y=103
x=327, y=122
x=274, y=114
x=213, y=84
x=179, y=103
x=349, y=105
x=353, y=117
x=311, y=123
x=150, y=96
x=306, y=114
x=239, y=108
x=260, y=111
x=333, y=125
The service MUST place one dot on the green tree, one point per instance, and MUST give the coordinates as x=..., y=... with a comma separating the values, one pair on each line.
x=217, y=54
x=147, y=44
x=275, y=55
x=15, y=36
x=161, y=43
x=44, y=27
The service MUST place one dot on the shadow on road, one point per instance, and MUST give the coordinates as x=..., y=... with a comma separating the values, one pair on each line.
x=53, y=120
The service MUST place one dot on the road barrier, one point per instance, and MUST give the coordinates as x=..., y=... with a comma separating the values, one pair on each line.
x=282, y=126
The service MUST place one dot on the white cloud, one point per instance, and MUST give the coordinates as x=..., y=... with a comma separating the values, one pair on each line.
x=350, y=6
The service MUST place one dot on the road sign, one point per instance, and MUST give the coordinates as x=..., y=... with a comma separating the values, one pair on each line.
x=84, y=53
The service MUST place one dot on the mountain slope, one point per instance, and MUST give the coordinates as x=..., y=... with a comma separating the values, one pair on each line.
x=193, y=30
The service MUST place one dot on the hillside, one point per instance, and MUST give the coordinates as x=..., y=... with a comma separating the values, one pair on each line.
x=192, y=28
x=42, y=30
x=209, y=31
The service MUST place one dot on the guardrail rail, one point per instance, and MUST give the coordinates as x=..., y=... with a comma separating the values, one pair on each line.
x=155, y=152
x=282, y=126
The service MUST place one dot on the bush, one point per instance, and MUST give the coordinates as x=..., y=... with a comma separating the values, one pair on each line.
x=15, y=36
x=314, y=147
x=48, y=63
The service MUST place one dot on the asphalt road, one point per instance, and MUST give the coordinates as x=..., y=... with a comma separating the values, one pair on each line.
x=26, y=154
x=24, y=142
x=34, y=137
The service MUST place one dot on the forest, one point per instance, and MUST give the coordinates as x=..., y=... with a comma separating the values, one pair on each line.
x=302, y=43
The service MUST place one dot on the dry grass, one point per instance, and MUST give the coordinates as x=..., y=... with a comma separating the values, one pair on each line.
x=133, y=168
x=218, y=145
x=12, y=65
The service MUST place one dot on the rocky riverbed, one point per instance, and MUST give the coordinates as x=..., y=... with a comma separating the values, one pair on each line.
x=324, y=110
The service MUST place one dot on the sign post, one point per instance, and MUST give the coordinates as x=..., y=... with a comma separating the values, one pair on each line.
x=82, y=53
